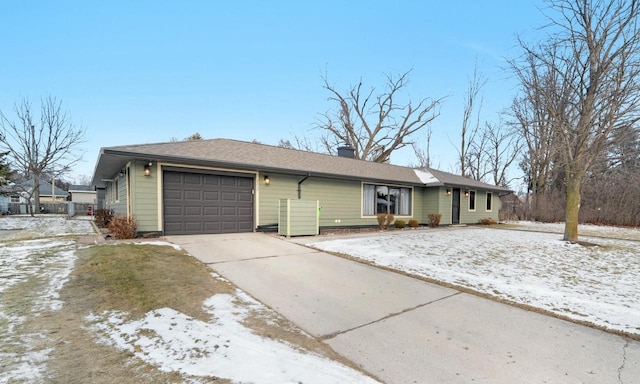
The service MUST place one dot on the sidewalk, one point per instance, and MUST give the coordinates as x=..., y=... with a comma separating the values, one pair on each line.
x=404, y=330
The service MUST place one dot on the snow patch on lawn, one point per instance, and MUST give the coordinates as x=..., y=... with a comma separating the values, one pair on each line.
x=222, y=348
x=41, y=226
x=169, y=339
x=599, y=285
x=621, y=233
x=159, y=243
x=44, y=263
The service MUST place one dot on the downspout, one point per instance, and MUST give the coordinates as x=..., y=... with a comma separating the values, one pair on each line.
x=300, y=185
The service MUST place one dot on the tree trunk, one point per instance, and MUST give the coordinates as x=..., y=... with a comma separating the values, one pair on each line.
x=35, y=207
x=573, y=207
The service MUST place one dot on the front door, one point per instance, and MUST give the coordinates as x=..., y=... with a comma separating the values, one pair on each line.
x=455, y=206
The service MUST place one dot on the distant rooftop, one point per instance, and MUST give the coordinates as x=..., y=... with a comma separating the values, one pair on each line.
x=81, y=188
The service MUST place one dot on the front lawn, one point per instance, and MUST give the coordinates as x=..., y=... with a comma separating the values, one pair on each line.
x=143, y=313
x=598, y=285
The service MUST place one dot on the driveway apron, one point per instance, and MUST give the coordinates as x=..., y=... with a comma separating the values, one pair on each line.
x=405, y=330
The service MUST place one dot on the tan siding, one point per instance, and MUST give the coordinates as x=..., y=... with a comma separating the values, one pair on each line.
x=280, y=187
x=340, y=200
x=473, y=217
x=445, y=205
x=433, y=201
x=144, y=198
x=118, y=206
x=419, y=203
x=298, y=217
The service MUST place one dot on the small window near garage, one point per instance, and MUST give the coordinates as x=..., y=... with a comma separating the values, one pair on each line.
x=378, y=199
x=472, y=200
x=489, y=201
x=116, y=190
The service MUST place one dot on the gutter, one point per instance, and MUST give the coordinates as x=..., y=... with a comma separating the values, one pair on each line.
x=300, y=185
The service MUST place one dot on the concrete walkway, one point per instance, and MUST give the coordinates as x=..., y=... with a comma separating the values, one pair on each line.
x=404, y=330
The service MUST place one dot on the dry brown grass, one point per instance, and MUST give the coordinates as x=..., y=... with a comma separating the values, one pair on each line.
x=130, y=278
x=136, y=279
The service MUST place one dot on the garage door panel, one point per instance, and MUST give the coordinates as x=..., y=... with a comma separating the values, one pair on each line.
x=173, y=194
x=173, y=227
x=211, y=196
x=211, y=180
x=172, y=177
x=212, y=226
x=245, y=183
x=245, y=226
x=193, y=195
x=192, y=179
x=193, y=211
x=173, y=211
x=229, y=211
x=229, y=196
x=230, y=226
x=245, y=212
x=193, y=226
x=212, y=211
x=207, y=203
x=228, y=181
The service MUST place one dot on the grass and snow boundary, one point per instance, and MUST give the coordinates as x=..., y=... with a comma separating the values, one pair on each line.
x=37, y=257
x=222, y=347
x=597, y=285
x=34, y=253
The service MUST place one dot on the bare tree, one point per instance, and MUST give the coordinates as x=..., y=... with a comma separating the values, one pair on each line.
x=303, y=143
x=476, y=162
x=194, y=137
x=502, y=148
x=38, y=145
x=83, y=180
x=424, y=155
x=375, y=125
x=594, y=54
x=471, y=127
x=534, y=123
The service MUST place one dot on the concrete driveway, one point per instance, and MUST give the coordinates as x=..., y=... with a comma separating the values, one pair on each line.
x=404, y=330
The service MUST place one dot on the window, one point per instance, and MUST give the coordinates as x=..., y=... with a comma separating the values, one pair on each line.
x=489, y=201
x=15, y=199
x=116, y=190
x=385, y=199
x=472, y=200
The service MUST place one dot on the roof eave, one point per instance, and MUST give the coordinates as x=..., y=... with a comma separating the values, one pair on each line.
x=110, y=162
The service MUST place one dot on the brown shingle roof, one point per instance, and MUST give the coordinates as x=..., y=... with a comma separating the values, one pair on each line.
x=255, y=156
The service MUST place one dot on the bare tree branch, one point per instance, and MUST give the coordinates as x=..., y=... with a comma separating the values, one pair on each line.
x=35, y=147
x=593, y=60
x=375, y=125
x=469, y=129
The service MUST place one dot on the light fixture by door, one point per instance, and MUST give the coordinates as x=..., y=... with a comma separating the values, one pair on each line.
x=147, y=169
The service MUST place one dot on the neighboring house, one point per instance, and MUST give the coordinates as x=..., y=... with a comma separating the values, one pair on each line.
x=14, y=197
x=83, y=194
x=8, y=194
x=222, y=186
x=47, y=194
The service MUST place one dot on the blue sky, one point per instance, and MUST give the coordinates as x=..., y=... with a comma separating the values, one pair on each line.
x=135, y=72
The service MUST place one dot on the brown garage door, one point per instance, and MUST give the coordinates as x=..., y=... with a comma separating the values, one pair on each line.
x=197, y=203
